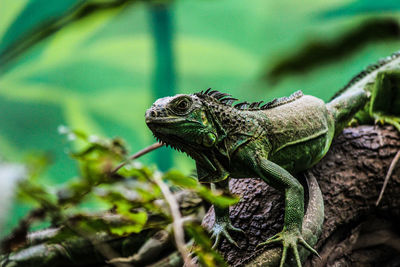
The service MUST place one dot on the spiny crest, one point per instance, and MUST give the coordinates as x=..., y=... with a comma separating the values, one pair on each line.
x=168, y=144
x=283, y=100
x=366, y=71
x=226, y=99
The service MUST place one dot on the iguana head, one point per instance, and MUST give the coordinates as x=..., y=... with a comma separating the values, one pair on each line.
x=183, y=122
x=199, y=122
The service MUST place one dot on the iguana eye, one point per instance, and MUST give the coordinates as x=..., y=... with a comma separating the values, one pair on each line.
x=181, y=106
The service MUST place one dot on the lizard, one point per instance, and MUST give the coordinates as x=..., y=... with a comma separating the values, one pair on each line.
x=273, y=141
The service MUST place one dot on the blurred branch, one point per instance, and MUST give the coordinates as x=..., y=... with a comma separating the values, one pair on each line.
x=322, y=52
x=177, y=223
x=151, y=245
x=105, y=249
x=19, y=236
x=138, y=155
x=48, y=28
x=138, y=221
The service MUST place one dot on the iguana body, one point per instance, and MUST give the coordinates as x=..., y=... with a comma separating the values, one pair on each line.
x=274, y=141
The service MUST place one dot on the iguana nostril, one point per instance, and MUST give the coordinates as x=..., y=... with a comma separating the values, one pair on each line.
x=153, y=113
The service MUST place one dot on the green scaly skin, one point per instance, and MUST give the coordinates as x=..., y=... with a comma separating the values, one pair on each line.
x=273, y=141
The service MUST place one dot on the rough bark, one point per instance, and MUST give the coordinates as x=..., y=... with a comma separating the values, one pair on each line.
x=356, y=232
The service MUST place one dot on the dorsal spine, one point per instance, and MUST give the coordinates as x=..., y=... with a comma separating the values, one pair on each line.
x=227, y=100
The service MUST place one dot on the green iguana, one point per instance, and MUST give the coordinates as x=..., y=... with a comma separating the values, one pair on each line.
x=273, y=141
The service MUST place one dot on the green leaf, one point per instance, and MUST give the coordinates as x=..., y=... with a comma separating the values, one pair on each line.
x=178, y=179
x=202, y=247
x=126, y=229
x=219, y=200
x=200, y=237
x=91, y=225
x=138, y=222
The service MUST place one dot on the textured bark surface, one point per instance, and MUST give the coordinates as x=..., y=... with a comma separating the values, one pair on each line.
x=351, y=175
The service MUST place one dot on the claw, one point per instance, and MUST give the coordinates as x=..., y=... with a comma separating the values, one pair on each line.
x=229, y=238
x=353, y=122
x=221, y=229
x=283, y=258
x=289, y=239
x=217, y=240
x=273, y=239
x=296, y=255
x=233, y=228
x=379, y=121
x=382, y=119
x=307, y=246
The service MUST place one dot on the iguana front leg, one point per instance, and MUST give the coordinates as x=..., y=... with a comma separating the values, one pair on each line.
x=222, y=222
x=281, y=179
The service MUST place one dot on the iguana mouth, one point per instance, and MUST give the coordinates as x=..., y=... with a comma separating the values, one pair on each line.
x=162, y=121
x=176, y=143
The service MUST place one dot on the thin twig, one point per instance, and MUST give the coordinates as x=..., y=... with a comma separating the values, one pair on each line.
x=389, y=173
x=137, y=155
x=177, y=224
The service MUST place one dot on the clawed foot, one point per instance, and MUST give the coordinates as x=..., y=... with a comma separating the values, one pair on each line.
x=382, y=119
x=221, y=229
x=289, y=239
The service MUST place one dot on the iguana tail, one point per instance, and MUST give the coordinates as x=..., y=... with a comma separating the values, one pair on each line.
x=373, y=94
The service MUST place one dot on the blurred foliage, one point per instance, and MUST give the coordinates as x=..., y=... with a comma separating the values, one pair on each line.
x=362, y=6
x=52, y=19
x=85, y=205
x=319, y=53
x=91, y=64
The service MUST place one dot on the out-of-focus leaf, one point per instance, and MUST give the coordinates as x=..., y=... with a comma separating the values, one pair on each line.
x=216, y=198
x=199, y=235
x=219, y=200
x=89, y=226
x=9, y=11
x=318, y=53
x=138, y=221
x=30, y=190
x=139, y=172
x=202, y=247
x=147, y=196
x=37, y=34
x=178, y=179
x=37, y=164
x=34, y=193
x=75, y=34
x=360, y=7
x=31, y=15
